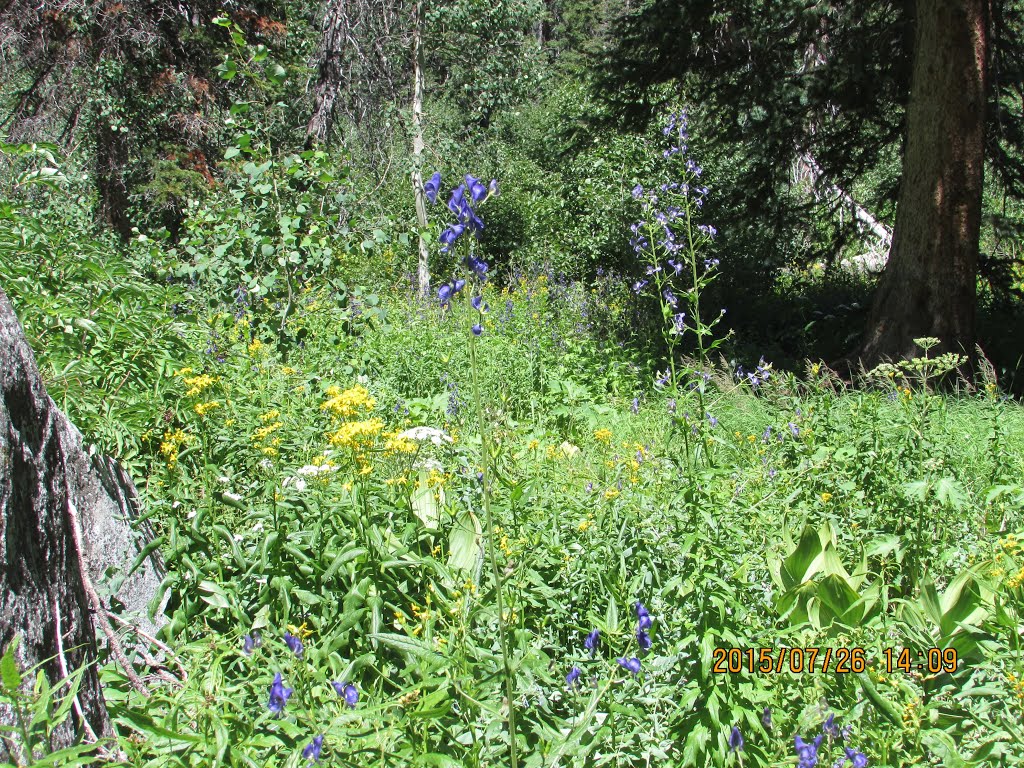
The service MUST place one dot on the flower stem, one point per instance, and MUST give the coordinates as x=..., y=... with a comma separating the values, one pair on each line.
x=485, y=440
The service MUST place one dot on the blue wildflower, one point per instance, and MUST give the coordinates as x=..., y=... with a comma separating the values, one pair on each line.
x=294, y=644
x=572, y=679
x=492, y=188
x=459, y=285
x=766, y=718
x=735, y=740
x=794, y=430
x=639, y=285
x=633, y=665
x=444, y=294
x=278, y=695
x=637, y=192
x=478, y=304
x=635, y=406
x=807, y=754
x=644, y=620
x=859, y=759
x=312, y=750
x=592, y=641
x=431, y=187
x=477, y=329
x=477, y=191
x=251, y=643
x=829, y=727
x=670, y=298
x=643, y=640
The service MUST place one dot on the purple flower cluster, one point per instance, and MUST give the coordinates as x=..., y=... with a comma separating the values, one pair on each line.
x=631, y=664
x=758, y=376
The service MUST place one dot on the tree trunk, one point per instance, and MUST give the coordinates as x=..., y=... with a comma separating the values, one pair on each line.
x=330, y=73
x=928, y=287
x=43, y=595
x=423, y=271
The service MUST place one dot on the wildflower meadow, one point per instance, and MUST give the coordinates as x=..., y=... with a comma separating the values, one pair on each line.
x=553, y=512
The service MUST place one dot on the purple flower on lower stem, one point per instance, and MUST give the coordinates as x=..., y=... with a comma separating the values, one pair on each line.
x=459, y=285
x=829, y=727
x=348, y=692
x=294, y=644
x=477, y=329
x=859, y=759
x=766, y=718
x=794, y=430
x=639, y=285
x=635, y=407
x=431, y=187
x=251, y=643
x=572, y=679
x=278, y=695
x=735, y=740
x=633, y=665
x=643, y=618
x=592, y=641
x=807, y=754
x=643, y=639
x=312, y=750
x=444, y=294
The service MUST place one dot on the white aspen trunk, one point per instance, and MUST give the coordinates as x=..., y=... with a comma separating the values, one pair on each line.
x=417, y=147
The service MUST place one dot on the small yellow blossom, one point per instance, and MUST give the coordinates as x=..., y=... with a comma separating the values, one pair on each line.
x=603, y=435
x=585, y=525
x=533, y=445
x=204, y=408
x=270, y=415
x=301, y=632
x=255, y=346
x=826, y=497
x=197, y=384
x=611, y=493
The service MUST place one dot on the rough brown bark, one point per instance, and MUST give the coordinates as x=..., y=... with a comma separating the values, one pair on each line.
x=40, y=586
x=928, y=287
x=330, y=72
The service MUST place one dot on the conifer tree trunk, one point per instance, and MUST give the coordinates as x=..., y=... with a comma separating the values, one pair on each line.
x=929, y=285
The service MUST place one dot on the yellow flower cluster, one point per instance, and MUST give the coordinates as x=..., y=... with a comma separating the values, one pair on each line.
x=262, y=439
x=603, y=435
x=395, y=444
x=197, y=384
x=172, y=444
x=354, y=434
x=204, y=408
x=348, y=403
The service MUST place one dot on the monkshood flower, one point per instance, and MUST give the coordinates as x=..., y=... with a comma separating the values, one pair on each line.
x=735, y=740
x=766, y=718
x=643, y=640
x=632, y=665
x=348, y=692
x=592, y=641
x=251, y=643
x=294, y=644
x=643, y=618
x=431, y=187
x=572, y=679
x=829, y=727
x=312, y=750
x=807, y=754
x=278, y=695
x=859, y=759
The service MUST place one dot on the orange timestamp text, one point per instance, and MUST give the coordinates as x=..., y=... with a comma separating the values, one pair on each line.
x=838, y=661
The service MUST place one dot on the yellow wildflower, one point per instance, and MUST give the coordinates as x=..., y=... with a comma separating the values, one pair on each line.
x=603, y=435
x=826, y=497
x=348, y=403
x=354, y=433
x=204, y=408
x=197, y=384
x=611, y=493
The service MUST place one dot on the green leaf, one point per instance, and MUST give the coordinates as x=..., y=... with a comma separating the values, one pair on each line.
x=406, y=644
x=9, y=673
x=424, y=504
x=464, y=549
x=213, y=594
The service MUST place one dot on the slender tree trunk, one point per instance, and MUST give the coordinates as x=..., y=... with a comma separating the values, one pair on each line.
x=423, y=272
x=928, y=287
x=330, y=74
x=43, y=597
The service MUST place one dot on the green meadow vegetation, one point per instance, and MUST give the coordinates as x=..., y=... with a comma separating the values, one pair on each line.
x=597, y=499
